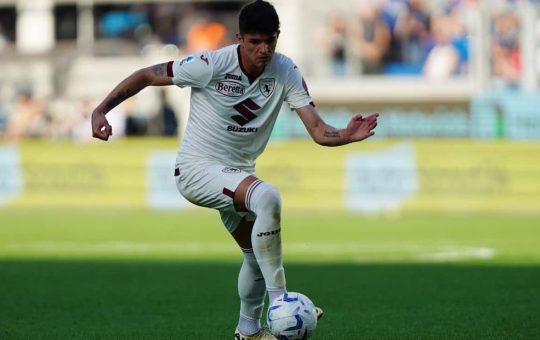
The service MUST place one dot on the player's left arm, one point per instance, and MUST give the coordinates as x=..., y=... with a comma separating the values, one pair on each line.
x=358, y=129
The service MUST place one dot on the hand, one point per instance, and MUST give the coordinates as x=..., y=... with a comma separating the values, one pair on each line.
x=360, y=128
x=100, y=126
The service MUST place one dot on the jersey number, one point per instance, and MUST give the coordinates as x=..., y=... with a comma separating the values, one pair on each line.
x=245, y=108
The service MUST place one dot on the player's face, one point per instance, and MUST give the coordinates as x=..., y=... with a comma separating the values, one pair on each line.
x=258, y=48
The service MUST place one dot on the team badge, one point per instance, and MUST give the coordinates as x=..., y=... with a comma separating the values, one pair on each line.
x=267, y=86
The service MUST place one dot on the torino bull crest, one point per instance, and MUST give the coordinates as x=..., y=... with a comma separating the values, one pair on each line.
x=267, y=85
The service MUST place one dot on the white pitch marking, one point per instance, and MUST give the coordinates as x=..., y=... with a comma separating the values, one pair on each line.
x=462, y=253
x=360, y=251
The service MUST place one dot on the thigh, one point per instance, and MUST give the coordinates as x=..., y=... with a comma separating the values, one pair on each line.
x=209, y=184
x=239, y=225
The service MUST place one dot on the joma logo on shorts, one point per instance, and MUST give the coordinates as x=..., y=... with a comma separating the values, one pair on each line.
x=268, y=233
x=230, y=170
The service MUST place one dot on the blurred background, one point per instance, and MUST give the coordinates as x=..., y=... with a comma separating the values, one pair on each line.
x=96, y=242
x=456, y=82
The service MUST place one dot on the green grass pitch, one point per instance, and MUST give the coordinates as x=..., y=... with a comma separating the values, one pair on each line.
x=125, y=274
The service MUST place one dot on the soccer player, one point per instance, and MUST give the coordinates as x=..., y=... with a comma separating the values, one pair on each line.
x=237, y=93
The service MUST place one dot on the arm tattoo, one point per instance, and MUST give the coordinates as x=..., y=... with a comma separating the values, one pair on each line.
x=331, y=134
x=159, y=69
x=118, y=98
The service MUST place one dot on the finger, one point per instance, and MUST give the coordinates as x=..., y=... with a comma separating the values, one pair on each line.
x=96, y=133
x=103, y=133
x=100, y=136
x=371, y=120
x=108, y=129
x=373, y=116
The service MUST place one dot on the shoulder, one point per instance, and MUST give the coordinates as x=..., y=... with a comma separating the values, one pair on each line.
x=224, y=56
x=284, y=66
x=282, y=62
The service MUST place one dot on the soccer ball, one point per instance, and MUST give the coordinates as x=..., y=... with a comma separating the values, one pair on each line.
x=292, y=316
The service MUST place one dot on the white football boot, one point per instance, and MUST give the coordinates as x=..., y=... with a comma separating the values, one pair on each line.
x=319, y=312
x=263, y=334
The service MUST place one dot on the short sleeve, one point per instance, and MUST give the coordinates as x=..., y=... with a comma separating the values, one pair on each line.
x=194, y=70
x=297, y=94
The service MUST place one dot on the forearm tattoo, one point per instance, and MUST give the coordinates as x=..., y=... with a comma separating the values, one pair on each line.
x=118, y=98
x=159, y=69
x=331, y=134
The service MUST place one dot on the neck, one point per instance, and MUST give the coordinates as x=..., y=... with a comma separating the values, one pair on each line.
x=250, y=69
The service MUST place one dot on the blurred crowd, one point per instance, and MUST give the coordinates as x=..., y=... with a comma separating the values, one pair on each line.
x=188, y=27
x=376, y=37
x=31, y=117
x=417, y=37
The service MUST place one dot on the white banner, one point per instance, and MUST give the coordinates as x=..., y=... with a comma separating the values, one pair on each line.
x=11, y=182
x=161, y=187
x=380, y=181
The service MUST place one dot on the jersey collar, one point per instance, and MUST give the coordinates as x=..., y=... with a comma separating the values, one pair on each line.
x=250, y=78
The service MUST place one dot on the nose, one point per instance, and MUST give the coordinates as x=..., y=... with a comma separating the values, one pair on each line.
x=265, y=48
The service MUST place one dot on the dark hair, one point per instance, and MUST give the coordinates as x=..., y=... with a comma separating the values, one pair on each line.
x=258, y=17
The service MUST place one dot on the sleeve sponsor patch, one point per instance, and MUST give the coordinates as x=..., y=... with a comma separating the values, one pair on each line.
x=186, y=60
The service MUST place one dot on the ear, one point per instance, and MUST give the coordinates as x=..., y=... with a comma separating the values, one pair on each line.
x=239, y=38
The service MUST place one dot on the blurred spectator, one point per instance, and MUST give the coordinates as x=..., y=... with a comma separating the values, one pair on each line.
x=389, y=13
x=461, y=15
x=29, y=118
x=412, y=32
x=506, y=52
x=3, y=38
x=186, y=19
x=165, y=21
x=336, y=44
x=79, y=126
x=3, y=121
x=169, y=123
x=443, y=58
x=371, y=38
x=164, y=123
x=131, y=124
x=206, y=35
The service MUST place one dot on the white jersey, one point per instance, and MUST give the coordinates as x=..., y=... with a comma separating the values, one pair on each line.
x=231, y=118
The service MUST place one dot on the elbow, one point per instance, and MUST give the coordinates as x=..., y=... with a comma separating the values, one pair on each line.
x=317, y=138
x=323, y=142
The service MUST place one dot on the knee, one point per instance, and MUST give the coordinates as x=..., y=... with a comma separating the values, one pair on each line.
x=272, y=198
x=266, y=199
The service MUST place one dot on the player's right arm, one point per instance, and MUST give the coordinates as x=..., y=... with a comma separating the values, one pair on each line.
x=156, y=75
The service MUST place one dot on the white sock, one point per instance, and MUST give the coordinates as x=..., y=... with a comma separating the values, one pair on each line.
x=248, y=326
x=251, y=289
x=265, y=201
